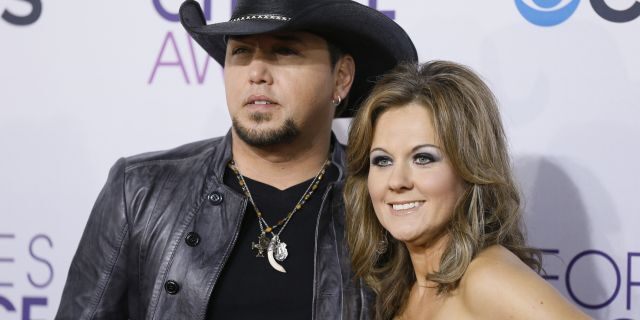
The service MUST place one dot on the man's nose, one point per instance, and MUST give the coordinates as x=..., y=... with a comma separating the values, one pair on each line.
x=260, y=69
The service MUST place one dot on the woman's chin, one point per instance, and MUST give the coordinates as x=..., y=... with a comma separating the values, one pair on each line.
x=404, y=235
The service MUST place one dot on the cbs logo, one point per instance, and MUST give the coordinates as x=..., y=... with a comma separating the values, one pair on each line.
x=548, y=13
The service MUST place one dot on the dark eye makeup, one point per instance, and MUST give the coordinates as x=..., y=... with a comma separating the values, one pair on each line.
x=424, y=158
x=420, y=158
x=381, y=161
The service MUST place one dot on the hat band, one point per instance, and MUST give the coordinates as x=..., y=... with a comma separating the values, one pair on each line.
x=261, y=17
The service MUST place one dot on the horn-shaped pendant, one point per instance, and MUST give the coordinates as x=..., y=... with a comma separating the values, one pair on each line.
x=273, y=245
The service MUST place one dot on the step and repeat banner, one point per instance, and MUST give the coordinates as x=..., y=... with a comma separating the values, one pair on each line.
x=83, y=83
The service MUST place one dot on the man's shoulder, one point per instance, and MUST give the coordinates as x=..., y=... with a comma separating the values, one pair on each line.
x=190, y=152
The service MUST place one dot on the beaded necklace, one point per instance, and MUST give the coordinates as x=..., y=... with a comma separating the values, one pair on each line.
x=275, y=247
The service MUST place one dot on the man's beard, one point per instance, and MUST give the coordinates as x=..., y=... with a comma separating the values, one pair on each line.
x=268, y=137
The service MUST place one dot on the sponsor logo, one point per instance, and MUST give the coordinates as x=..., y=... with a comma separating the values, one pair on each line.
x=13, y=13
x=547, y=13
x=34, y=279
x=620, y=277
x=181, y=56
x=613, y=15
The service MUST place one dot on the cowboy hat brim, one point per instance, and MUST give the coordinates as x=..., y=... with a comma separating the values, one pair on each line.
x=376, y=42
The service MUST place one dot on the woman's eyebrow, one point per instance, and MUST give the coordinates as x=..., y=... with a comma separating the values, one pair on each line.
x=378, y=149
x=425, y=145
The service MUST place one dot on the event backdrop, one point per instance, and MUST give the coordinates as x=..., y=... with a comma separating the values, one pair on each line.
x=83, y=83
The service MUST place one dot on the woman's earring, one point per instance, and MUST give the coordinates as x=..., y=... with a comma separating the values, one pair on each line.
x=383, y=244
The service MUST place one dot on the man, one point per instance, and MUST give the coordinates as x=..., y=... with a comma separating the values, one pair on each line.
x=249, y=225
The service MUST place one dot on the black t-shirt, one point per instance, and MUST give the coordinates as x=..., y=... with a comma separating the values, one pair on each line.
x=248, y=287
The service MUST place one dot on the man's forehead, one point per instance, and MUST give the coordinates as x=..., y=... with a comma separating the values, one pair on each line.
x=283, y=36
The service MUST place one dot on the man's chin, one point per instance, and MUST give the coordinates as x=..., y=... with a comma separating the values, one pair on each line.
x=261, y=117
x=262, y=134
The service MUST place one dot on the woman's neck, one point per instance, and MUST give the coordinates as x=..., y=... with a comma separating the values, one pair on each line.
x=426, y=258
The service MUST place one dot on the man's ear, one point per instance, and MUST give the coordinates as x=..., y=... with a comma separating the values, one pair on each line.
x=344, y=72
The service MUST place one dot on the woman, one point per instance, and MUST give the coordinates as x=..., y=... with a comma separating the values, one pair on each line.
x=433, y=213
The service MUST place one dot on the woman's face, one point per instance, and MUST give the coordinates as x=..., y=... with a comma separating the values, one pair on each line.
x=412, y=185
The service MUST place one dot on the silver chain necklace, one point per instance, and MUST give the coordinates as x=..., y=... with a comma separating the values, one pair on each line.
x=276, y=248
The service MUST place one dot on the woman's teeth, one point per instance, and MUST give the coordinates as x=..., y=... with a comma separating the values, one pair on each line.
x=405, y=206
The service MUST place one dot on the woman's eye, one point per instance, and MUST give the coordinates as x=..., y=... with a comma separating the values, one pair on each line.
x=423, y=158
x=381, y=161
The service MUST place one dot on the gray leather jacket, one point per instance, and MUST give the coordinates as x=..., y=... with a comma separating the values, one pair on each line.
x=161, y=231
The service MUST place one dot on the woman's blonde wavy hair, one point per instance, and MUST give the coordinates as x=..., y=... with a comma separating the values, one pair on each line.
x=468, y=125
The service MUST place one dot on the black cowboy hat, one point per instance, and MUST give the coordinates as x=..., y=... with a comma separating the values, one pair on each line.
x=375, y=41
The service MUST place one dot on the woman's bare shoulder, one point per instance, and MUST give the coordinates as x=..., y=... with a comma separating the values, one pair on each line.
x=497, y=284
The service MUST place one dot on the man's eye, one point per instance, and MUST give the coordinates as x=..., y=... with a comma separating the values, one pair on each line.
x=286, y=51
x=239, y=50
x=423, y=158
x=381, y=161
